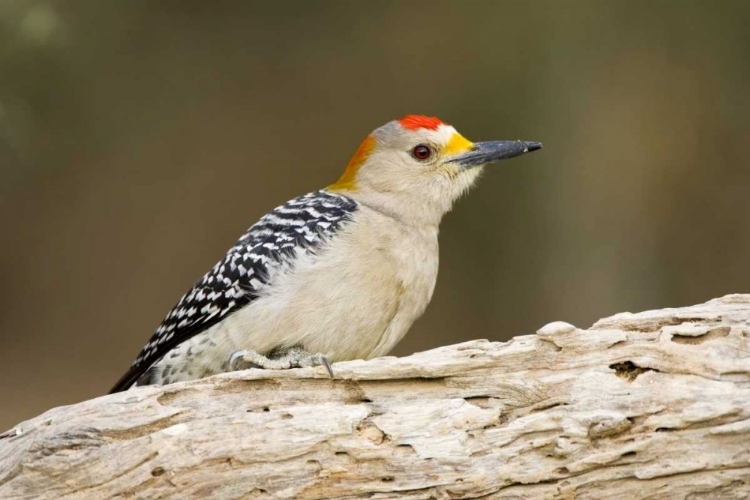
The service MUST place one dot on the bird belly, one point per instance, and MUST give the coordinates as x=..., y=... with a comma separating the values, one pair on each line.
x=354, y=298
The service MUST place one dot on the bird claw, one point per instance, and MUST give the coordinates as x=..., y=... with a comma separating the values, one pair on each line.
x=293, y=358
x=324, y=362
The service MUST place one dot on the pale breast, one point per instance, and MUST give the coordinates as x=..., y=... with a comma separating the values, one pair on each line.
x=355, y=299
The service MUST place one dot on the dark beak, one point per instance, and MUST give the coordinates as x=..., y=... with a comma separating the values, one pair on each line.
x=492, y=151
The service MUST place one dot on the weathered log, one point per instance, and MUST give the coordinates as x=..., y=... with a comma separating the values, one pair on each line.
x=648, y=405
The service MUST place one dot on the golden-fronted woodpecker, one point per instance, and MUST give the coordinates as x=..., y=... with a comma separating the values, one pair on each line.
x=336, y=274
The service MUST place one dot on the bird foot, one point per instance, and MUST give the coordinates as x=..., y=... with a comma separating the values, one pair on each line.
x=291, y=358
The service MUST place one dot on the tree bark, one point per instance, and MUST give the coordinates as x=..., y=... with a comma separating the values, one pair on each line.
x=649, y=405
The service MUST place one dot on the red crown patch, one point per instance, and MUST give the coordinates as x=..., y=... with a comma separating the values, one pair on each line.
x=416, y=122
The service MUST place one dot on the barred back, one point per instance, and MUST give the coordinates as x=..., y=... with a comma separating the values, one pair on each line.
x=299, y=226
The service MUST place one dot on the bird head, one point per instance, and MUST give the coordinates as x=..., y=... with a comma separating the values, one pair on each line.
x=418, y=166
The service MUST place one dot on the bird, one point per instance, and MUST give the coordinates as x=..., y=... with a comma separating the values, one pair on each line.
x=337, y=274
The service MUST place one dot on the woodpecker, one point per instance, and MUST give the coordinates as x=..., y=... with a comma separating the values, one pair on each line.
x=337, y=274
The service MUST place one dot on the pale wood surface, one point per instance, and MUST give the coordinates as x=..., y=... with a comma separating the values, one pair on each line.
x=650, y=405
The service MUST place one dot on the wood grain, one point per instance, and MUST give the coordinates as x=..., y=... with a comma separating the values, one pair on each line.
x=649, y=405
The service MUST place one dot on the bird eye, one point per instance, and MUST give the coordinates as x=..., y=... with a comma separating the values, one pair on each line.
x=421, y=152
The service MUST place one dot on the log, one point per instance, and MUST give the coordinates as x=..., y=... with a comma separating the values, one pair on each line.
x=649, y=405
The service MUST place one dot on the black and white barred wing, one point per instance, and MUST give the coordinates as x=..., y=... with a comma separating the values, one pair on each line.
x=302, y=224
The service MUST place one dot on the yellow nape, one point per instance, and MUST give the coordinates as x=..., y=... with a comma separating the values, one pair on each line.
x=457, y=145
x=348, y=180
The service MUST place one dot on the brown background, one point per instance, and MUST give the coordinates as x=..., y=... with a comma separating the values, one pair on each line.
x=139, y=139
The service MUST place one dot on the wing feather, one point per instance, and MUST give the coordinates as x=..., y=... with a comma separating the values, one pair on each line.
x=303, y=223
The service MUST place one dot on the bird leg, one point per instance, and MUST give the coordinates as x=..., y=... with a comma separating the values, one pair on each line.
x=294, y=357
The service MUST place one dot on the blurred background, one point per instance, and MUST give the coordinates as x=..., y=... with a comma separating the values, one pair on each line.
x=139, y=139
